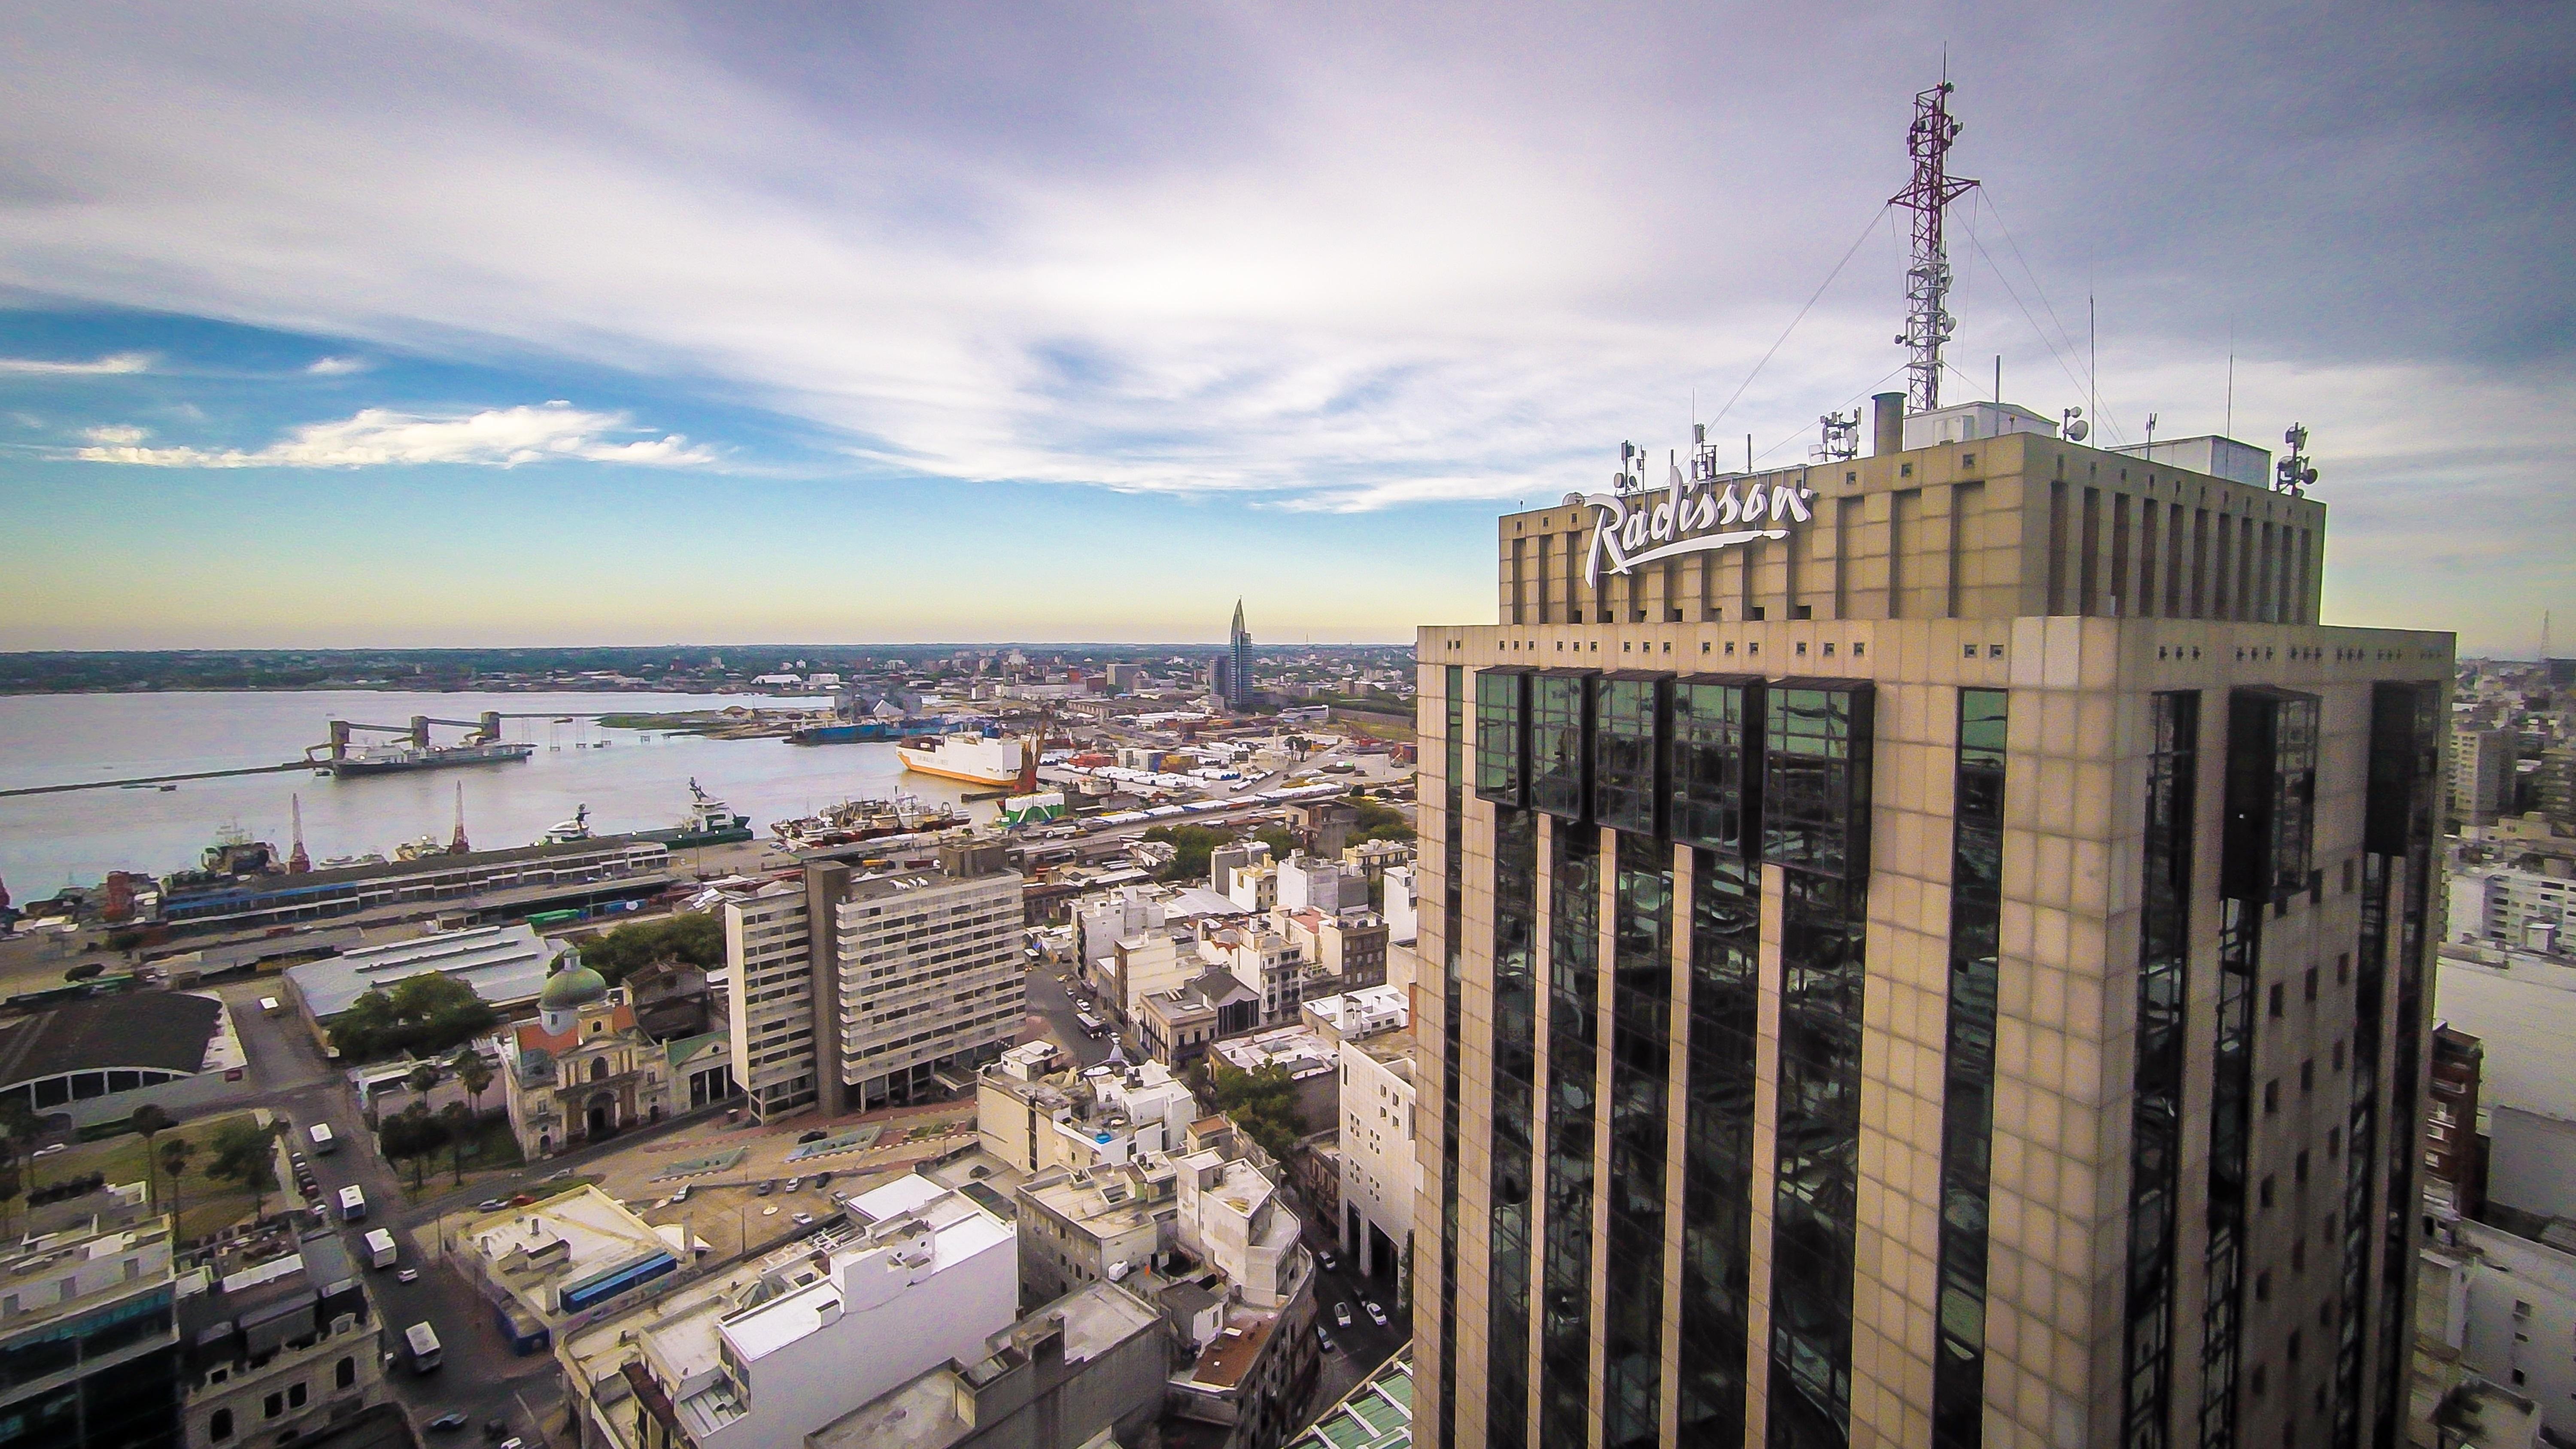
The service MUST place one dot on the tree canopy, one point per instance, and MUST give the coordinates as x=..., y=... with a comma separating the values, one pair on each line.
x=1263, y=1103
x=1378, y=820
x=422, y=1015
x=1193, y=844
x=695, y=937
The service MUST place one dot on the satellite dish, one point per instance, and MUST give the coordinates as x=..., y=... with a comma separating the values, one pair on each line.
x=2078, y=430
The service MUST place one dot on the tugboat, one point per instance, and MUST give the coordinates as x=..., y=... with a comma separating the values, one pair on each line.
x=709, y=822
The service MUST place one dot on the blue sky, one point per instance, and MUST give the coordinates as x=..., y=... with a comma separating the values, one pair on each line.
x=433, y=324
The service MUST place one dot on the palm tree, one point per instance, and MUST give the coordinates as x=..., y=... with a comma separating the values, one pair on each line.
x=151, y=1122
x=174, y=1161
x=422, y=1081
x=459, y=1119
x=474, y=1074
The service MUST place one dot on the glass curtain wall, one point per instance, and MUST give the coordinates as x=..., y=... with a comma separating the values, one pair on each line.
x=2406, y=721
x=1640, y=1071
x=1452, y=991
x=2155, y=1137
x=1815, y=827
x=1716, y=778
x=1573, y=1073
x=1968, y=1089
x=1515, y=1075
x=2263, y=861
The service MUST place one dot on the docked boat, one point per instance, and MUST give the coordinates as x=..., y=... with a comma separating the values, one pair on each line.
x=565, y=832
x=709, y=822
x=976, y=758
x=866, y=731
x=853, y=821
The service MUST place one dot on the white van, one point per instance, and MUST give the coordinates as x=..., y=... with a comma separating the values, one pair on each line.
x=324, y=1143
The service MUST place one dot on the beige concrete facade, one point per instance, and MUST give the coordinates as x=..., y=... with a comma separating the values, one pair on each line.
x=2083, y=584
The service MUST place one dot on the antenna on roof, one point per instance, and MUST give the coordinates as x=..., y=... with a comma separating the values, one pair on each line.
x=456, y=843
x=1927, y=280
x=297, y=862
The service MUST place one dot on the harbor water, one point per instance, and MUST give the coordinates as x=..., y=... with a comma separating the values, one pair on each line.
x=630, y=779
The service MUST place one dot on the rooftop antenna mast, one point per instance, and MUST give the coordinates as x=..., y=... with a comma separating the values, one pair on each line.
x=1927, y=281
x=297, y=862
x=456, y=843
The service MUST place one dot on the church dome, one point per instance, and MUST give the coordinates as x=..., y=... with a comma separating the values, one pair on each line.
x=573, y=987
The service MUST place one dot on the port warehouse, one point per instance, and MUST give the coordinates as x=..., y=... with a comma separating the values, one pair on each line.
x=531, y=878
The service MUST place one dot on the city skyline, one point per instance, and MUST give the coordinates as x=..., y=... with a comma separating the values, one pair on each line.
x=558, y=329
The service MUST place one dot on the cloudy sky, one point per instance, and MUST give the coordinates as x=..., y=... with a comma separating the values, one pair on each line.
x=419, y=323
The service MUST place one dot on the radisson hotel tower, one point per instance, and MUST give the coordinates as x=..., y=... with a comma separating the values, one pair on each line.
x=1933, y=948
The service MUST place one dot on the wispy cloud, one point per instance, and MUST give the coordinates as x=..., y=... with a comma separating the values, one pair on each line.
x=117, y=435
x=337, y=366
x=119, y=362
x=501, y=437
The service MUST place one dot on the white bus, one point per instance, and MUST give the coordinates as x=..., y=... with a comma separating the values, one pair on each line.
x=381, y=1250
x=353, y=1204
x=420, y=1343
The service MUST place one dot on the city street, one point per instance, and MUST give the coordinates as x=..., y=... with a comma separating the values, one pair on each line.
x=480, y=1377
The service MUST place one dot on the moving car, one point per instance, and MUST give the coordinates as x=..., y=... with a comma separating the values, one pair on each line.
x=1329, y=1263
x=408, y=1275
x=1376, y=1314
x=765, y=1189
x=1342, y=1314
x=1324, y=1339
x=446, y=1422
x=795, y=1184
x=682, y=1195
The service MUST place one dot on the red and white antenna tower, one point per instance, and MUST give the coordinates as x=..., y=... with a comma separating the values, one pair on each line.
x=1927, y=281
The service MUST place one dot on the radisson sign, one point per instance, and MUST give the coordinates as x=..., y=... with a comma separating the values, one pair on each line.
x=1633, y=528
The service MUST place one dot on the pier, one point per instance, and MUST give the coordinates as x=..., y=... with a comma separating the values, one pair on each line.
x=156, y=779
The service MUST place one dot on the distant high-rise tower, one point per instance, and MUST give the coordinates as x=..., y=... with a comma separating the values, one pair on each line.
x=1238, y=673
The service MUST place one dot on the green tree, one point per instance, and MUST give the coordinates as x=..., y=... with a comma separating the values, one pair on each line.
x=1263, y=1103
x=1377, y=820
x=243, y=1151
x=457, y=1120
x=415, y=1134
x=424, y=1015
x=1192, y=845
x=693, y=937
x=474, y=1074
x=12, y=1182
x=1277, y=837
x=423, y=1080
x=20, y=1129
x=174, y=1165
x=149, y=1121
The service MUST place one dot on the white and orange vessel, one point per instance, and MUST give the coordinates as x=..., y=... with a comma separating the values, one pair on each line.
x=975, y=758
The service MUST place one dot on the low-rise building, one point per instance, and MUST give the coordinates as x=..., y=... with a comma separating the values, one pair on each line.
x=914, y=1275
x=505, y=965
x=584, y=1070
x=1178, y=1027
x=2506, y=1306
x=98, y=1059
x=282, y=1342
x=557, y=1263
x=1090, y=1363
x=1098, y=1116
x=1380, y=1172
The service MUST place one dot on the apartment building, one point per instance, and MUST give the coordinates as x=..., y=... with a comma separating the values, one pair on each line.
x=1939, y=957
x=855, y=990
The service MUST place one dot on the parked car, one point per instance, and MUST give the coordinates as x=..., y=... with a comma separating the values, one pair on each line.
x=447, y=1422
x=1324, y=1339
x=795, y=1184
x=50, y=1151
x=1329, y=1263
x=682, y=1195
x=804, y=1220
x=492, y=1204
x=817, y=1135
x=1376, y=1314
x=408, y=1275
x=765, y=1189
x=1342, y=1314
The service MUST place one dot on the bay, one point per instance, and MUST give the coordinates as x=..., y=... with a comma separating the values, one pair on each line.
x=630, y=779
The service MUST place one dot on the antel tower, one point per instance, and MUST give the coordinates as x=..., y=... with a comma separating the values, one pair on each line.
x=1934, y=950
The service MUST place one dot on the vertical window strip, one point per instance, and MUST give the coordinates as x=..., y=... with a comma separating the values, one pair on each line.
x=2271, y=790
x=1815, y=823
x=1515, y=1068
x=1968, y=1091
x=2418, y=758
x=1640, y=1071
x=1573, y=1066
x=1453, y=981
x=1716, y=773
x=2155, y=1145
x=1717, y=1191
